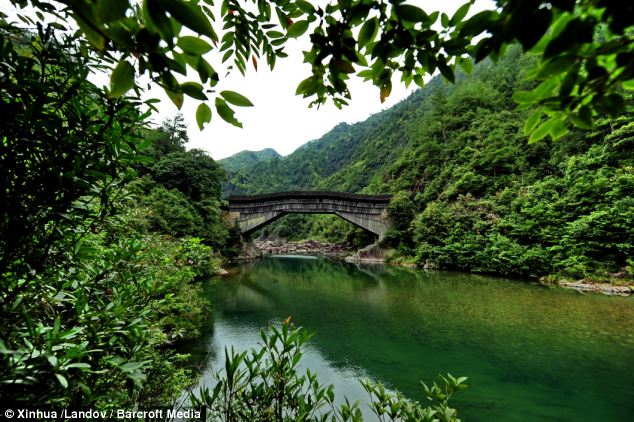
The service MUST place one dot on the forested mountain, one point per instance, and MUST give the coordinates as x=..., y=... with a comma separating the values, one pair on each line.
x=470, y=191
x=347, y=158
x=245, y=159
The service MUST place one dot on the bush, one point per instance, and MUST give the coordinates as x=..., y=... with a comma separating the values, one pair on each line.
x=86, y=333
x=266, y=385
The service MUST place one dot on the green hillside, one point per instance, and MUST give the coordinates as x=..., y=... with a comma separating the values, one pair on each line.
x=471, y=192
x=245, y=159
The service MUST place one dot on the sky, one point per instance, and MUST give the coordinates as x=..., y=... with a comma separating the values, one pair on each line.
x=280, y=119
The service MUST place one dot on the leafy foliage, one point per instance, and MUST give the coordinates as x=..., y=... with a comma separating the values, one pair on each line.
x=181, y=192
x=54, y=171
x=194, y=173
x=88, y=300
x=85, y=332
x=471, y=192
x=265, y=384
x=585, y=48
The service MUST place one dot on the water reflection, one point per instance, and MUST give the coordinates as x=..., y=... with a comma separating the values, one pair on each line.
x=531, y=353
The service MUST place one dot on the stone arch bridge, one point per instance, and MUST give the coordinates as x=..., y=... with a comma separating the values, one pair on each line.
x=255, y=211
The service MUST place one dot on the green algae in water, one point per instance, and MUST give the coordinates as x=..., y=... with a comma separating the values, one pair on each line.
x=531, y=353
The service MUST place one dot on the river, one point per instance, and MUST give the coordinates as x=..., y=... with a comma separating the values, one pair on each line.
x=531, y=353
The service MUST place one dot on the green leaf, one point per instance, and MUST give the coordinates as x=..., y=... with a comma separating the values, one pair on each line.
x=203, y=115
x=557, y=130
x=157, y=20
x=95, y=38
x=190, y=15
x=193, y=45
x=368, y=32
x=297, y=29
x=553, y=127
x=418, y=79
x=226, y=113
x=446, y=71
x=122, y=79
x=307, y=87
x=629, y=85
x=112, y=10
x=523, y=97
x=275, y=34
x=478, y=23
x=444, y=20
x=79, y=365
x=412, y=13
x=62, y=380
x=540, y=132
x=466, y=65
x=305, y=6
x=194, y=90
x=532, y=121
x=176, y=97
x=460, y=14
x=131, y=366
x=583, y=119
x=545, y=89
x=236, y=99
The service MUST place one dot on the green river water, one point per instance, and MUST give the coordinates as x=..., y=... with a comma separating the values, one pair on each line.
x=531, y=353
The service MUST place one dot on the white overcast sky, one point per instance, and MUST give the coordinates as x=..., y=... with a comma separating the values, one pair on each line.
x=280, y=119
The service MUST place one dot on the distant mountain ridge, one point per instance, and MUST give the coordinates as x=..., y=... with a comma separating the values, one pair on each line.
x=244, y=159
x=349, y=158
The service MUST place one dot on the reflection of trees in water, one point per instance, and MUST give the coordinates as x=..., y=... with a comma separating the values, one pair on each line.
x=319, y=274
x=463, y=305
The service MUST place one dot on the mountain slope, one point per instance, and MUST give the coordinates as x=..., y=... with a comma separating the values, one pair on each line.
x=346, y=158
x=245, y=159
x=470, y=192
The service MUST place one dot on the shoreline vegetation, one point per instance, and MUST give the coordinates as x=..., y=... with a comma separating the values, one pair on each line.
x=111, y=225
x=469, y=191
x=374, y=254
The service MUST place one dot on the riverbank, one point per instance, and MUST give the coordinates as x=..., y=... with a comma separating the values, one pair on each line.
x=376, y=255
x=304, y=247
x=584, y=286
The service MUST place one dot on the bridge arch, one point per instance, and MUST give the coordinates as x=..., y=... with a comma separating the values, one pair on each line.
x=255, y=211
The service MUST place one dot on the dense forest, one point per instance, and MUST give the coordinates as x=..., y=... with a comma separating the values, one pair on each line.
x=110, y=225
x=470, y=191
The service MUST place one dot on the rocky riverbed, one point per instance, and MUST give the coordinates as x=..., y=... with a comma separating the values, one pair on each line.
x=304, y=247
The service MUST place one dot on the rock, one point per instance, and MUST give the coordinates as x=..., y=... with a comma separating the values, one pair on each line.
x=222, y=272
x=590, y=286
x=304, y=247
x=372, y=254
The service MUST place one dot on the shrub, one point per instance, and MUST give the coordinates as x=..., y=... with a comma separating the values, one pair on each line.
x=266, y=385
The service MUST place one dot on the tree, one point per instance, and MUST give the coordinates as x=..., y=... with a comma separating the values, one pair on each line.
x=170, y=136
x=176, y=130
x=193, y=172
x=585, y=48
x=65, y=148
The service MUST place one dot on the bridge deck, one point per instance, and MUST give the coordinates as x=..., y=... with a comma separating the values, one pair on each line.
x=309, y=195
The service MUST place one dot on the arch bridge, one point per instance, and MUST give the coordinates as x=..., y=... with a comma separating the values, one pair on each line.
x=255, y=211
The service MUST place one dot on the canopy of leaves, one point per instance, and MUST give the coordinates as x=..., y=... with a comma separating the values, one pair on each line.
x=585, y=48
